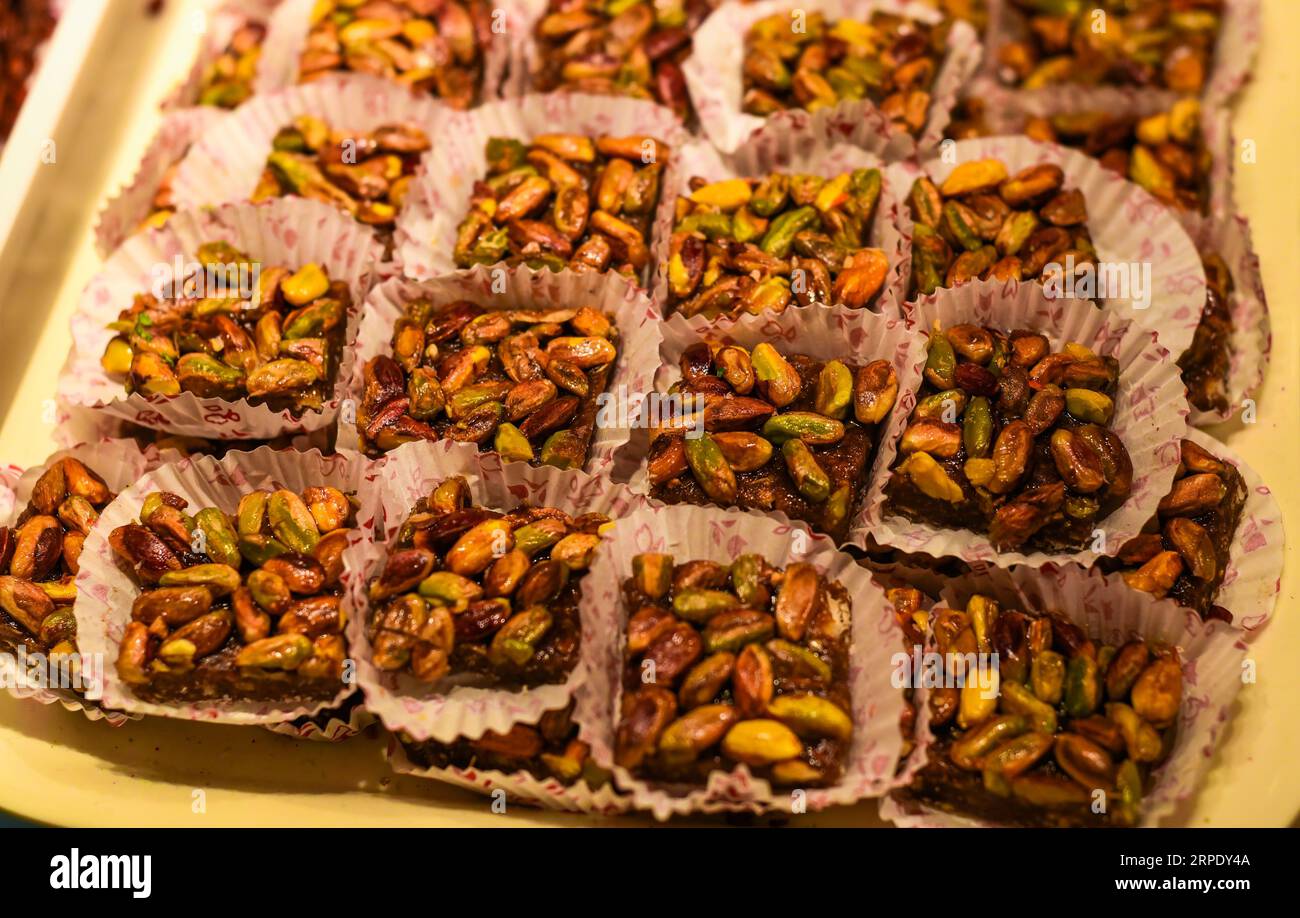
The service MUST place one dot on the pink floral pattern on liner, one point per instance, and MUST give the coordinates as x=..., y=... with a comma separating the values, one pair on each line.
x=105, y=593
x=124, y=212
x=793, y=152
x=1109, y=611
x=225, y=166
x=709, y=533
x=520, y=786
x=391, y=487
x=439, y=197
x=119, y=463
x=523, y=288
x=288, y=232
x=1127, y=226
x=713, y=75
x=1150, y=415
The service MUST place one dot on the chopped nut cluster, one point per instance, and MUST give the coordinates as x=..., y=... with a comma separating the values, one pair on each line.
x=366, y=174
x=724, y=666
x=565, y=201
x=800, y=60
x=238, y=330
x=754, y=245
x=1145, y=43
x=1183, y=551
x=1207, y=362
x=981, y=224
x=434, y=46
x=228, y=80
x=1030, y=741
x=625, y=48
x=40, y=557
x=468, y=590
x=242, y=607
x=522, y=382
x=787, y=435
x=1012, y=439
x=25, y=25
x=548, y=749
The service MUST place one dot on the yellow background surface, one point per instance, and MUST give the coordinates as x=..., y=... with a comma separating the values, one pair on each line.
x=61, y=768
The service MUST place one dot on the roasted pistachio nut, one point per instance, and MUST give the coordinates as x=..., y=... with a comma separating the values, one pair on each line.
x=727, y=260
x=435, y=48
x=240, y=593
x=565, y=201
x=623, y=49
x=472, y=590
x=1010, y=439
x=982, y=223
x=1146, y=45
x=365, y=173
x=781, y=432
x=715, y=688
x=809, y=62
x=227, y=81
x=1034, y=743
x=523, y=382
x=1183, y=553
x=235, y=330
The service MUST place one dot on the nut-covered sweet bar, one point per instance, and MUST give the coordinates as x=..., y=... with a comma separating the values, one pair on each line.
x=1183, y=552
x=730, y=665
x=631, y=49
x=433, y=46
x=565, y=201
x=548, y=749
x=366, y=173
x=802, y=60
x=228, y=80
x=1207, y=363
x=490, y=594
x=235, y=330
x=1012, y=439
x=1061, y=717
x=755, y=245
x=39, y=558
x=791, y=435
x=982, y=223
x=521, y=382
x=236, y=606
x=1143, y=43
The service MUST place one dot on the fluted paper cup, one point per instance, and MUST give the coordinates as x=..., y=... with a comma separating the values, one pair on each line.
x=714, y=76
x=288, y=232
x=219, y=23
x=392, y=487
x=1150, y=416
x=105, y=593
x=523, y=288
x=1105, y=608
x=333, y=725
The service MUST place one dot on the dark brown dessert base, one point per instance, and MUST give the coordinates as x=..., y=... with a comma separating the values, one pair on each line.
x=217, y=678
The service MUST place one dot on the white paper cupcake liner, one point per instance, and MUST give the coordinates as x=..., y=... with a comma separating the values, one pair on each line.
x=438, y=199
x=287, y=33
x=822, y=332
x=126, y=210
x=119, y=463
x=795, y=152
x=287, y=232
x=105, y=593
x=707, y=533
x=520, y=786
x=392, y=487
x=225, y=165
x=1110, y=612
x=337, y=726
x=1128, y=227
x=714, y=77
x=1252, y=331
x=219, y=23
x=523, y=288
x=1234, y=57
x=1150, y=416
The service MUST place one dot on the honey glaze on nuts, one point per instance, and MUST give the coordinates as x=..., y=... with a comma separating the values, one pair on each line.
x=729, y=665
